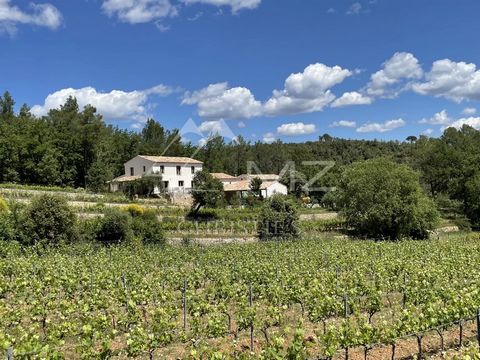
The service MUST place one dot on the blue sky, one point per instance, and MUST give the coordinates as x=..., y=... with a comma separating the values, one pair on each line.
x=265, y=69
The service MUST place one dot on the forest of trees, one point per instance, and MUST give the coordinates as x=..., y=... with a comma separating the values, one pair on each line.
x=75, y=147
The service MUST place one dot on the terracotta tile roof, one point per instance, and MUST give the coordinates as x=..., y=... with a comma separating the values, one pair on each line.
x=171, y=159
x=126, y=178
x=244, y=185
x=264, y=177
x=223, y=176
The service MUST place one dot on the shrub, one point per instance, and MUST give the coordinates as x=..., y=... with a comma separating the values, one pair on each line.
x=48, y=219
x=383, y=200
x=148, y=228
x=3, y=205
x=278, y=219
x=134, y=210
x=114, y=228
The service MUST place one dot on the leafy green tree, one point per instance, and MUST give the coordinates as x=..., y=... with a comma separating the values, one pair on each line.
x=6, y=106
x=144, y=186
x=295, y=181
x=207, y=191
x=256, y=187
x=49, y=220
x=383, y=200
x=278, y=219
x=98, y=176
x=471, y=199
x=47, y=169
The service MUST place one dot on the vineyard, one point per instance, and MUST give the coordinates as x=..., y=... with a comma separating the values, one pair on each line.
x=311, y=299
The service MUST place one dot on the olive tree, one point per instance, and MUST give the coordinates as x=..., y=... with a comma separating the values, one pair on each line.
x=207, y=191
x=383, y=200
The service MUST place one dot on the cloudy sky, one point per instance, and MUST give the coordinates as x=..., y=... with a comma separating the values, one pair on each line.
x=265, y=69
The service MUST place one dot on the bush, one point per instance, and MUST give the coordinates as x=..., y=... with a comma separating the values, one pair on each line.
x=114, y=228
x=383, y=200
x=148, y=228
x=49, y=220
x=278, y=219
x=134, y=210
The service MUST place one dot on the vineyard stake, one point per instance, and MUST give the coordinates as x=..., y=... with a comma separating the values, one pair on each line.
x=10, y=353
x=184, y=304
x=460, y=324
x=478, y=327
x=250, y=302
x=124, y=282
x=345, y=309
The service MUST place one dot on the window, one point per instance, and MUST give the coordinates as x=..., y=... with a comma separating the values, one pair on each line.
x=180, y=183
x=193, y=169
x=144, y=168
x=132, y=171
x=162, y=169
x=179, y=170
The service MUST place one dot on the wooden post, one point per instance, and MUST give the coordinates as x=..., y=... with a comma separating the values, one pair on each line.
x=478, y=327
x=345, y=306
x=250, y=302
x=184, y=304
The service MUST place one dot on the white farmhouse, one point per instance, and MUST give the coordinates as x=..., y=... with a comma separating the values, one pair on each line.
x=177, y=172
x=263, y=177
x=242, y=188
x=225, y=178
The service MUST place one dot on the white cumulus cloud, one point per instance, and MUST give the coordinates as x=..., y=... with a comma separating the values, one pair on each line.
x=304, y=92
x=440, y=118
x=344, y=123
x=235, y=5
x=471, y=121
x=307, y=91
x=294, y=129
x=269, y=138
x=456, y=81
x=45, y=15
x=390, y=80
x=139, y=11
x=352, y=98
x=381, y=127
x=114, y=105
x=219, y=101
